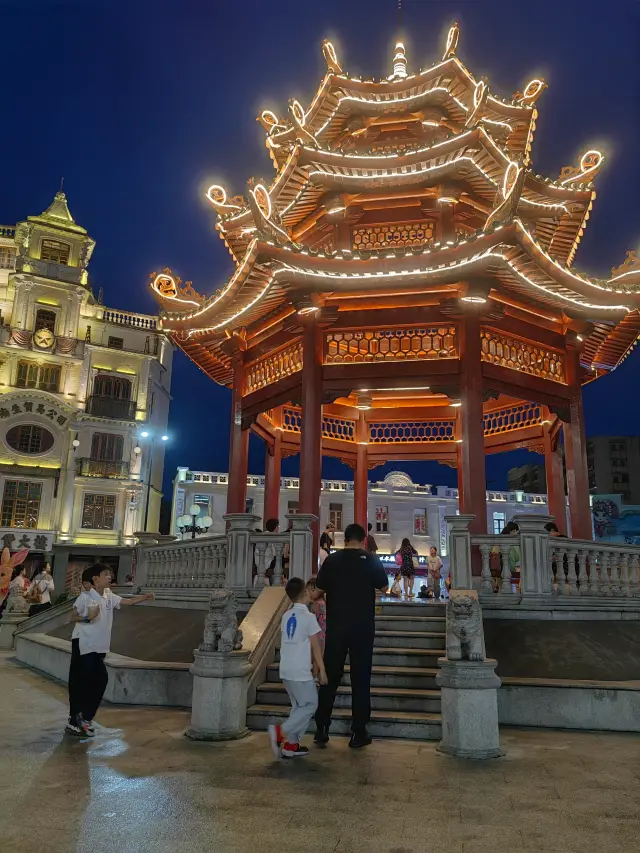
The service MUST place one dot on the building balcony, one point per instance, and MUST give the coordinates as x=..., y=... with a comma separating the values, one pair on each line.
x=110, y=407
x=146, y=322
x=50, y=269
x=102, y=468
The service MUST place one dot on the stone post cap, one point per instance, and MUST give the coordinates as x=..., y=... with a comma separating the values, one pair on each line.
x=146, y=538
x=221, y=664
x=468, y=674
x=459, y=522
x=301, y=520
x=242, y=521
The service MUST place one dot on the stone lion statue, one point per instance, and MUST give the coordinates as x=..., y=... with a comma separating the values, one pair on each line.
x=221, y=632
x=465, y=640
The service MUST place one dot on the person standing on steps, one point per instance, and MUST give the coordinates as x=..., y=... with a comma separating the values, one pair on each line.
x=349, y=579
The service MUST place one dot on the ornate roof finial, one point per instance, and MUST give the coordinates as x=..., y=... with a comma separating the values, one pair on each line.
x=511, y=190
x=331, y=57
x=628, y=269
x=587, y=169
x=399, y=63
x=531, y=92
x=452, y=41
x=480, y=95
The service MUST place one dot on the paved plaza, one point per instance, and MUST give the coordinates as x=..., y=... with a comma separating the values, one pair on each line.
x=140, y=786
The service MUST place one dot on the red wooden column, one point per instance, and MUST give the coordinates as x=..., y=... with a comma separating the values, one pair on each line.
x=575, y=447
x=555, y=481
x=472, y=477
x=361, y=480
x=239, y=442
x=311, y=437
x=272, y=472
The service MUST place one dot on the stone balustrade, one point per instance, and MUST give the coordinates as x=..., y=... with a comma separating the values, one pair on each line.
x=532, y=565
x=228, y=559
x=603, y=569
x=131, y=319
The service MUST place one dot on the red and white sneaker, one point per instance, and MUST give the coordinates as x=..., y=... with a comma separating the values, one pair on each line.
x=277, y=739
x=294, y=750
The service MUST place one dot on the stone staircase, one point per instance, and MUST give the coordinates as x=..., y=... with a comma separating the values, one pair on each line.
x=405, y=701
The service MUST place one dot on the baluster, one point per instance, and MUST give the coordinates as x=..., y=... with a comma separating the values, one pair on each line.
x=485, y=550
x=222, y=565
x=206, y=579
x=594, y=581
x=148, y=558
x=505, y=587
x=163, y=568
x=583, y=577
x=260, y=549
x=196, y=572
x=633, y=571
x=562, y=589
x=278, y=547
x=572, y=577
x=173, y=567
x=201, y=564
x=604, y=573
x=177, y=567
x=553, y=559
x=614, y=573
x=625, y=581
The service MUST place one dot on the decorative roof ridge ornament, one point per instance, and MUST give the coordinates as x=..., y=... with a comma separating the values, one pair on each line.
x=587, y=169
x=480, y=95
x=331, y=57
x=266, y=216
x=628, y=269
x=217, y=195
x=299, y=118
x=167, y=285
x=530, y=93
x=451, y=45
x=512, y=187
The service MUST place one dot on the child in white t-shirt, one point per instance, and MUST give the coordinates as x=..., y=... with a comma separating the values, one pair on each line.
x=299, y=643
x=90, y=641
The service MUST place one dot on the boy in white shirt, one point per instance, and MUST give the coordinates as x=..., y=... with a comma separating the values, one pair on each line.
x=90, y=641
x=299, y=631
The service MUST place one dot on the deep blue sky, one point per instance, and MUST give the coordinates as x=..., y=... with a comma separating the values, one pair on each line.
x=140, y=105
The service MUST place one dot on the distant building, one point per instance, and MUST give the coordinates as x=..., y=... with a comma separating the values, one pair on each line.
x=528, y=478
x=397, y=506
x=84, y=400
x=614, y=466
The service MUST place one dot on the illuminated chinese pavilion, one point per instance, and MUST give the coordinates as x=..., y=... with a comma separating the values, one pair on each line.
x=404, y=289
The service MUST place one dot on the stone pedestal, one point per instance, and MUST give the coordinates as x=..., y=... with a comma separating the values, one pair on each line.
x=469, y=708
x=9, y=624
x=219, y=704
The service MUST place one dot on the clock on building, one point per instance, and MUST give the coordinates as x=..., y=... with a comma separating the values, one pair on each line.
x=43, y=338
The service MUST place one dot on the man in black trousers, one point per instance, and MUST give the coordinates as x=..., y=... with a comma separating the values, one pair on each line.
x=349, y=579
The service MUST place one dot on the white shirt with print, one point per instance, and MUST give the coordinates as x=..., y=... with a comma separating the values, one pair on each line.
x=95, y=636
x=297, y=625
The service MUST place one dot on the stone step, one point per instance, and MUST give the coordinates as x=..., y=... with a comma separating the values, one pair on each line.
x=394, y=724
x=382, y=698
x=401, y=656
x=404, y=677
x=411, y=623
x=410, y=608
x=410, y=639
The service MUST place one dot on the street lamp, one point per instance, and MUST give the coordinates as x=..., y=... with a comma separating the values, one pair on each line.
x=192, y=523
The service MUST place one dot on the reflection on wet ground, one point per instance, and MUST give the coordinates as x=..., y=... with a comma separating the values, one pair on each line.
x=141, y=786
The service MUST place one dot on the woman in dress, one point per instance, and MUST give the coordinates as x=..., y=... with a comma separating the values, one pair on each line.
x=40, y=591
x=408, y=562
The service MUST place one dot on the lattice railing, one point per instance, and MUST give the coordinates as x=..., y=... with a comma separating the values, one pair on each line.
x=512, y=417
x=291, y=419
x=411, y=432
x=340, y=428
x=392, y=235
x=273, y=367
x=519, y=355
x=410, y=344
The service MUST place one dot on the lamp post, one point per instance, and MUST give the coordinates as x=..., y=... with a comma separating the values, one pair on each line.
x=193, y=523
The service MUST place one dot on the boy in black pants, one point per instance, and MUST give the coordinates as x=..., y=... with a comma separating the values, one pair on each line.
x=93, y=615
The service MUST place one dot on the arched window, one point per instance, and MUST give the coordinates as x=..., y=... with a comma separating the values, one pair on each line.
x=113, y=387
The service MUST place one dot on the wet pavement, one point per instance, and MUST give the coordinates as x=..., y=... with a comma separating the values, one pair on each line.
x=141, y=786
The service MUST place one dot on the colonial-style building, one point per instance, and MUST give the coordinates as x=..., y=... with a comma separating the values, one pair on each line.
x=397, y=507
x=84, y=401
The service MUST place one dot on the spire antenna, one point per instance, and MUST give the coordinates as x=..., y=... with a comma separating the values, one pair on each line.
x=399, y=15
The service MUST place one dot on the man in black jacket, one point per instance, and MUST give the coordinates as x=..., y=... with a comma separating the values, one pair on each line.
x=349, y=579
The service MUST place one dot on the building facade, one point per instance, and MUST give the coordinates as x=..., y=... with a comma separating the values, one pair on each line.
x=614, y=466
x=397, y=507
x=84, y=400
x=527, y=478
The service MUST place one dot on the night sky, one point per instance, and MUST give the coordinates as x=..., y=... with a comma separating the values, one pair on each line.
x=142, y=105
